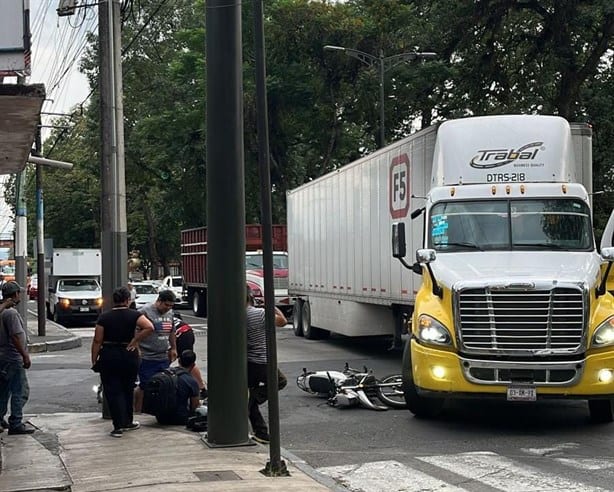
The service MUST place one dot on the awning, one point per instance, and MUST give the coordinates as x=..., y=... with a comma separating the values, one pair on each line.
x=20, y=109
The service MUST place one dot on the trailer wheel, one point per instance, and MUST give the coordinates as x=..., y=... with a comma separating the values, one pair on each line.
x=308, y=331
x=297, y=318
x=199, y=304
x=311, y=332
x=421, y=407
x=601, y=411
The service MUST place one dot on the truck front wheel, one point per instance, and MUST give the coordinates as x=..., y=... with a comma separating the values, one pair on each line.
x=199, y=304
x=56, y=316
x=421, y=407
x=601, y=411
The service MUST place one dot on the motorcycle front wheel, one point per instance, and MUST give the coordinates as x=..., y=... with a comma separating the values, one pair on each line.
x=392, y=395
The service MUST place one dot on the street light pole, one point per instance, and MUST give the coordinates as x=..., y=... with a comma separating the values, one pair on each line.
x=382, y=64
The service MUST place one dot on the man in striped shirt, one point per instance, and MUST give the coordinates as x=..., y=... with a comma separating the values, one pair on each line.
x=257, y=361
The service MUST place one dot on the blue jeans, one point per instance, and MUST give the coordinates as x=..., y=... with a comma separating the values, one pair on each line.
x=150, y=367
x=17, y=390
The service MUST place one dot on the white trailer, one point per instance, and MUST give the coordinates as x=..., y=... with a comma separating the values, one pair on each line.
x=341, y=269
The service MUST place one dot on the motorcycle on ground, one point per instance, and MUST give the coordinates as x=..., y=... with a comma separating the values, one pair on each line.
x=351, y=387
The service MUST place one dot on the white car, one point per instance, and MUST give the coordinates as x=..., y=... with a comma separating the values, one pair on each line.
x=146, y=293
x=174, y=283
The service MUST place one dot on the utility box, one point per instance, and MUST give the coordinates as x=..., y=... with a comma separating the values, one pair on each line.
x=15, y=54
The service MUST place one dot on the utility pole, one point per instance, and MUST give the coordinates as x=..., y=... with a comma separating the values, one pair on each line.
x=276, y=466
x=40, y=238
x=226, y=294
x=21, y=243
x=113, y=200
x=21, y=232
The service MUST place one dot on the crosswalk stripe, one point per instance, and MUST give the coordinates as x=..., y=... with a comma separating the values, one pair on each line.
x=503, y=473
x=384, y=476
x=474, y=470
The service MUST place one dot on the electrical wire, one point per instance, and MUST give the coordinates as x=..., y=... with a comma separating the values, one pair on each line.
x=64, y=132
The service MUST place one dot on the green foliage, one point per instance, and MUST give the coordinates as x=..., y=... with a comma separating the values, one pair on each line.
x=494, y=56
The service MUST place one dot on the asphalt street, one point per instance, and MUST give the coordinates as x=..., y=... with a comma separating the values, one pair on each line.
x=475, y=445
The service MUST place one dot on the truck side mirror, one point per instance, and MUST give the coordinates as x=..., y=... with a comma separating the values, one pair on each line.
x=425, y=256
x=607, y=240
x=399, y=248
x=608, y=253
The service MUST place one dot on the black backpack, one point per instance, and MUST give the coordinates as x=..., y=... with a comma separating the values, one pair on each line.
x=160, y=395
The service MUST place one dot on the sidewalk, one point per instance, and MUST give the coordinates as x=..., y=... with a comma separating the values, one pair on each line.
x=73, y=452
x=56, y=336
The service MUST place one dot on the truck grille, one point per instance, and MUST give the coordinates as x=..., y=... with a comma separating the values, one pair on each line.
x=517, y=321
x=280, y=283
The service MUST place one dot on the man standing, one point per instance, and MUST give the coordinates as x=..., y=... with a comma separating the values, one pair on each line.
x=14, y=359
x=132, y=295
x=159, y=349
x=257, y=362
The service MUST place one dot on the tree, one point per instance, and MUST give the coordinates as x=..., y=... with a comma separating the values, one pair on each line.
x=494, y=56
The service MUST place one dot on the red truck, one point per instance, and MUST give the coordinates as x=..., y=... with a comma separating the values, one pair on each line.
x=194, y=266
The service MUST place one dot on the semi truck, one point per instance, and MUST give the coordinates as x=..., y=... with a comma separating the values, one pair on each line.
x=508, y=297
x=194, y=266
x=72, y=277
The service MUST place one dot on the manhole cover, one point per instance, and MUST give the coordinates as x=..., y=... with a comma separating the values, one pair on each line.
x=217, y=476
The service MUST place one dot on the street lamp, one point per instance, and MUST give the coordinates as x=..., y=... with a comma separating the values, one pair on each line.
x=382, y=64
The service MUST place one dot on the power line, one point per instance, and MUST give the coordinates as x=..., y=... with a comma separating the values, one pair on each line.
x=124, y=51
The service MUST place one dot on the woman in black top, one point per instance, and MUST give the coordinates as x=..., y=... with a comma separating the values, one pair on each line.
x=115, y=348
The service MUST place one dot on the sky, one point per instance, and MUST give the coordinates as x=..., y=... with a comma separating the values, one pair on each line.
x=57, y=46
x=58, y=43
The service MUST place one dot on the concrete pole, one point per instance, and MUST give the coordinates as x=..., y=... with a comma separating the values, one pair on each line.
x=227, y=340
x=113, y=203
x=21, y=242
x=40, y=241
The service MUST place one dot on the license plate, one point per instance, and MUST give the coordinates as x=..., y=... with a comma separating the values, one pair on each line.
x=521, y=393
x=84, y=309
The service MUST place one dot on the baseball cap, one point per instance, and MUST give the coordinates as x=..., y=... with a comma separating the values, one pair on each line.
x=10, y=288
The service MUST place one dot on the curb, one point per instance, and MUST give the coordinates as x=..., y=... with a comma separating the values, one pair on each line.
x=308, y=470
x=56, y=345
x=71, y=341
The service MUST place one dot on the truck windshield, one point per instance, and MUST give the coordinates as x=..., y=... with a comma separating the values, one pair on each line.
x=280, y=262
x=538, y=224
x=78, y=285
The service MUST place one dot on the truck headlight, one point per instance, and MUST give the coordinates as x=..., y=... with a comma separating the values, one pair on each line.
x=98, y=301
x=432, y=331
x=604, y=334
x=64, y=303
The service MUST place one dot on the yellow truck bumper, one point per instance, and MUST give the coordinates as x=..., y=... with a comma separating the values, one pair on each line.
x=441, y=371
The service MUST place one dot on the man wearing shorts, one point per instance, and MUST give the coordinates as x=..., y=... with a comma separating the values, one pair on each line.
x=159, y=349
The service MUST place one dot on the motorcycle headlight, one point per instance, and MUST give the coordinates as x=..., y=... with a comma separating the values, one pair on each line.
x=432, y=331
x=604, y=334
